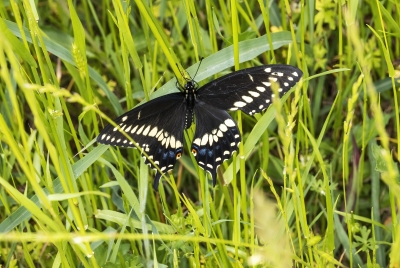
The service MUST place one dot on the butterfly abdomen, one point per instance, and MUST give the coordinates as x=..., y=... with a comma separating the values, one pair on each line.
x=190, y=95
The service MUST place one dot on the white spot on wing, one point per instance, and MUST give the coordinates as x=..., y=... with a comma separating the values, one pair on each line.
x=178, y=144
x=261, y=106
x=268, y=84
x=134, y=129
x=218, y=159
x=239, y=104
x=204, y=140
x=267, y=70
x=261, y=89
x=254, y=94
x=103, y=136
x=129, y=128
x=146, y=131
x=290, y=78
x=210, y=139
x=153, y=132
x=113, y=139
x=247, y=99
x=124, y=118
x=295, y=74
x=209, y=165
x=223, y=128
x=219, y=134
x=215, y=138
x=159, y=134
x=273, y=79
x=286, y=84
x=251, y=77
x=197, y=141
x=229, y=122
x=172, y=142
x=226, y=152
x=140, y=130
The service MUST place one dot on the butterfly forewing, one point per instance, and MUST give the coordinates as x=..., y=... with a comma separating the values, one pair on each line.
x=249, y=90
x=156, y=127
x=215, y=139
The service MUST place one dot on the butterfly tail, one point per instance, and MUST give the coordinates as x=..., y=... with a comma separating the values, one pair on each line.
x=156, y=181
x=214, y=176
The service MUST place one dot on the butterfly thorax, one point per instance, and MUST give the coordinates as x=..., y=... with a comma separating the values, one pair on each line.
x=190, y=96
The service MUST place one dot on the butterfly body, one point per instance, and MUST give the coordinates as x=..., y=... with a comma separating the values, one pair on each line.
x=190, y=96
x=157, y=126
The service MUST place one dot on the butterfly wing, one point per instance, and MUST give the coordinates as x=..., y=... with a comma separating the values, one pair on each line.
x=249, y=89
x=157, y=128
x=215, y=139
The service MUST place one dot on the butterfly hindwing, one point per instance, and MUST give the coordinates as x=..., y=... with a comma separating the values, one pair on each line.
x=249, y=90
x=156, y=127
x=215, y=139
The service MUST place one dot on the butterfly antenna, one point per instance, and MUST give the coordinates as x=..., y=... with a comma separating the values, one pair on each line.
x=177, y=66
x=178, y=85
x=198, y=67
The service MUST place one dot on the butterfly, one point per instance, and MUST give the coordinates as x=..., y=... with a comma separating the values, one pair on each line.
x=157, y=127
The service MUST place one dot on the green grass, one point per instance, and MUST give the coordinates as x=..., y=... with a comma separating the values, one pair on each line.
x=315, y=182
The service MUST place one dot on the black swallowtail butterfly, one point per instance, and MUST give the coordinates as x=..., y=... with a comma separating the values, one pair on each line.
x=157, y=126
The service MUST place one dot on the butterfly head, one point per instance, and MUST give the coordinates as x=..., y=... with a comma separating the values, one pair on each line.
x=190, y=86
